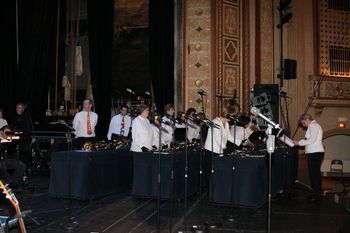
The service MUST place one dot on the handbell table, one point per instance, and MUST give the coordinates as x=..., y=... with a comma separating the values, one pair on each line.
x=146, y=172
x=242, y=180
x=92, y=174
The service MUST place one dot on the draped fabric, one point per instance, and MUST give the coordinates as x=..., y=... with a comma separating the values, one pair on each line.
x=8, y=58
x=37, y=38
x=161, y=23
x=29, y=80
x=100, y=30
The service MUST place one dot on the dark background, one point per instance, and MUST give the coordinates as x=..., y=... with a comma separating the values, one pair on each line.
x=29, y=81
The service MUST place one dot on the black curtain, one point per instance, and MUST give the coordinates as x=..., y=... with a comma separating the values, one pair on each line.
x=8, y=58
x=37, y=39
x=161, y=23
x=100, y=30
x=28, y=82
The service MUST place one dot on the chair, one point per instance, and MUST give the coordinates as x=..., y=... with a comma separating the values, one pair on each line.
x=336, y=168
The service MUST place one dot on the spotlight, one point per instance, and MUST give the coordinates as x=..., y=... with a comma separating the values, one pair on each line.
x=342, y=122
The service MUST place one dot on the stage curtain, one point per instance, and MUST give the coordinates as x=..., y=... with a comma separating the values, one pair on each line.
x=100, y=30
x=161, y=25
x=8, y=58
x=37, y=34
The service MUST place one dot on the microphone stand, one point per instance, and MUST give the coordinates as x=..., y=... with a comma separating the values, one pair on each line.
x=69, y=149
x=159, y=177
x=270, y=146
x=186, y=177
x=172, y=182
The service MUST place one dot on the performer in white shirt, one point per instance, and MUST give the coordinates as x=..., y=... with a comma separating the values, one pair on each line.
x=120, y=124
x=240, y=135
x=194, y=129
x=168, y=123
x=142, y=131
x=84, y=122
x=252, y=127
x=3, y=122
x=314, y=151
x=221, y=134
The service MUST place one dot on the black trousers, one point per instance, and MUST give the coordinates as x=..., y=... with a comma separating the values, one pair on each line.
x=15, y=165
x=314, y=161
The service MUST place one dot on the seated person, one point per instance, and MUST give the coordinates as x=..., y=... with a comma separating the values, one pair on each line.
x=22, y=121
x=11, y=169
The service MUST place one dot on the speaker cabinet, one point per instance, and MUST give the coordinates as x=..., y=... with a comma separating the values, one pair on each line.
x=290, y=69
x=269, y=91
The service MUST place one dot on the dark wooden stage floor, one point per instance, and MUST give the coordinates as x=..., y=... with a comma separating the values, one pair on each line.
x=122, y=213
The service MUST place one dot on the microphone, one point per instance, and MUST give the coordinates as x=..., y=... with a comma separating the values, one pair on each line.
x=130, y=91
x=202, y=92
x=211, y=123
x=282, y=93
x=256, y=112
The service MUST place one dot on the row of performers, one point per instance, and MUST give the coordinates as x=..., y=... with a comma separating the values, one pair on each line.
x=144, y=129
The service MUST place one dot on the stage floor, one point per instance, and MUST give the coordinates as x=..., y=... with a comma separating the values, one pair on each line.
x=124, y=214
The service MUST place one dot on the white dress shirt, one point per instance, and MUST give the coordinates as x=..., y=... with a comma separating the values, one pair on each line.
x=142, y=134
x=313, y=138
x=80, y=124
x=168, y=132
x=116, y=124
x=220, y=137
x=193, y=130
x=3, y=123
x=155, y=136
x=240, y=134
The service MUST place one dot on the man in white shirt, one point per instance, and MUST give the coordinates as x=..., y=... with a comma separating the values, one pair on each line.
x=142, y=131
x=3, y=122
x=84, y=122
x=120, y=124
x=314, y=151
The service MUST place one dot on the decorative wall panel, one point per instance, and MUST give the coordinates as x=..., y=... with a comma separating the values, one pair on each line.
x=197, y=54
x=333, y=32
x=228, y=49
x=265, y=60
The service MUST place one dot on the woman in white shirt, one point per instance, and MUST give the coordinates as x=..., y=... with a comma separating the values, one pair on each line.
x=194, y=129
x=168, y=124
x=142, y=131
x=221, y=134
x=238, y=132
x=314, y=151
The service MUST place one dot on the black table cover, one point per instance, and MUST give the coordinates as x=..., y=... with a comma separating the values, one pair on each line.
x=92, y=174
x=243, y=180
x=146, y=172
